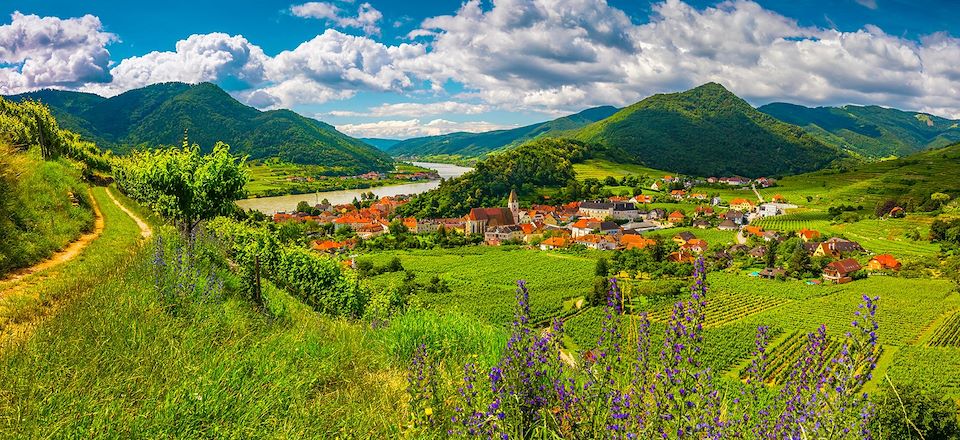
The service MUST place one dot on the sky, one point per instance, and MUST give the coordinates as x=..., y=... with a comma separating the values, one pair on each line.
x=401, y=69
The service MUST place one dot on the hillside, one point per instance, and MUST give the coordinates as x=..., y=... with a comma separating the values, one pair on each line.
x=159, y=114
x=871, y=131
x=477, y=144
x=382, y=144
x=910, y=180
x=709, y=131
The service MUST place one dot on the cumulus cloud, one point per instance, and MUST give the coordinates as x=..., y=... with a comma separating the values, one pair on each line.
x=416, y=109
x=405, y=129
x=553, y=54
x=53, y=52
x=334, y=64
x=208, y=57
x=366, y=18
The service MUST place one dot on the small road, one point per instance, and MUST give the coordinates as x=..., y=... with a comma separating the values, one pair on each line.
x=145, y=230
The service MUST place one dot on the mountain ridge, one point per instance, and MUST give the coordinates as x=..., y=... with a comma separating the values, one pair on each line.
x=708, y=130
x=159, y=114
x=479, y=144
x=872, y=131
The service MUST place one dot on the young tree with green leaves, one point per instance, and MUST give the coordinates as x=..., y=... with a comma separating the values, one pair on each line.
x=183, y=184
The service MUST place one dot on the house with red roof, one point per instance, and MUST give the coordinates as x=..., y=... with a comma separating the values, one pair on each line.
x=883, y=262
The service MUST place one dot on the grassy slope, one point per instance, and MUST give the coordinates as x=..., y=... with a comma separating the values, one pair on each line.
x=113, y=363
x=38, y=210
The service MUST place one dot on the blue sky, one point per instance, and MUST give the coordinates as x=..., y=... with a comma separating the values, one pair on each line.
x=394, y=69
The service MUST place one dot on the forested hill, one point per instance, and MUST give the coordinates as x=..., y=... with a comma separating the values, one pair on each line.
x=478, y=144
x=159, y=114
x=710, y=131
x=872, y=131
x=534, y=165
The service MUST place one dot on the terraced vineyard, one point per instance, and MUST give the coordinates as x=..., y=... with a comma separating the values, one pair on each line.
x=784, y=357
x=948, y=334
x=889, y=236
x=726, y=308
x=795, y=221
x=906, y=307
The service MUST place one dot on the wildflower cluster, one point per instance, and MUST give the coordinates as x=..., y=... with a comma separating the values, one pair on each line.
x=626, y=388
x=180, y=277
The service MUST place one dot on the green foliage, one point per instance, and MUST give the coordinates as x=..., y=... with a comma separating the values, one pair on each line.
x=871, y=131
x=159, y=114
x=538, y=163
x=447, y=336
x=910, y=411
x=182, y=183
x=479, y=144
x=317, y=280
x=709, y=131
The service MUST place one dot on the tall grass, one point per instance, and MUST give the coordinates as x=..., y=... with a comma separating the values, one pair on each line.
x=37, y=216
x=446, y=335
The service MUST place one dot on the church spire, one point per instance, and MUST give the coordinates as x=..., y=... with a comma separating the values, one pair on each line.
x=514, y=206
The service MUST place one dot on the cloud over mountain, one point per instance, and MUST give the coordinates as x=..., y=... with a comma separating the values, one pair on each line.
x=548, y=56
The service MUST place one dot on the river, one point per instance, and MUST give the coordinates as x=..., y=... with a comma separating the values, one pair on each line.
x=271, y=205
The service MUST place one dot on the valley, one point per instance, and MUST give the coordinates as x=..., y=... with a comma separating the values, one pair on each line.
x=200, y=275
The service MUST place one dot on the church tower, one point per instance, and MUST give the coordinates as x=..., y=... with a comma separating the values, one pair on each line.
x=514, y=206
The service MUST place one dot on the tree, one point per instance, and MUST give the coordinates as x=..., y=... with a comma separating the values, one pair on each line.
x=303, y=206
x=799, y=262
x=184, y=185
x=602, y=268
x=397, y=227
x=939, y=199
x=771, y=255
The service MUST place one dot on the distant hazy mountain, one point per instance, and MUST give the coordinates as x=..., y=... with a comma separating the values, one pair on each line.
x=709, y=131
x=159, y=114
x=478, y=144
x=871, y=131
x=382, y=144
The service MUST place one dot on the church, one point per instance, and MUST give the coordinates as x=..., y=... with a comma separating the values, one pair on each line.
x=479, y=219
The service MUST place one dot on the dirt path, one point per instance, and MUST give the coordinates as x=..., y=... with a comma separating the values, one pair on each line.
x=66, y=254
x=145, y=230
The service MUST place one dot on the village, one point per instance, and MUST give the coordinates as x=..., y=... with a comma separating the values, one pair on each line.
x=618, y=223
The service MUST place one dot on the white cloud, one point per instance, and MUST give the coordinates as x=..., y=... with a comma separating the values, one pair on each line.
x=570, y=54
x=334, y=64
x=405, y=129
x=417, y=109
x=869, y=4
x=366, y=19
x=53, y=52
x=208, y=57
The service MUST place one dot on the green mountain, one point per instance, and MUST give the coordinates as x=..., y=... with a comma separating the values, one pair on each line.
x=709, y=131
x=159, y=114
x=478, y=144
x=871, y=131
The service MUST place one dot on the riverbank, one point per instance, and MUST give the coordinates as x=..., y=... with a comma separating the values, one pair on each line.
x=283, y=203
x=273, y=178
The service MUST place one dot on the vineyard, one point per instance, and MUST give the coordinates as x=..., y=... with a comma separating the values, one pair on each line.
x=948, y=334
x=795, y=221
x=937, y=367
x=783, y=357
x=483, y=279
x=877, y=236
x=906, y=307
x=726, y=308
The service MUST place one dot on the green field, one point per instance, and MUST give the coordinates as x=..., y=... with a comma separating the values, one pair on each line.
x=600, y=169
x=483, y=279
